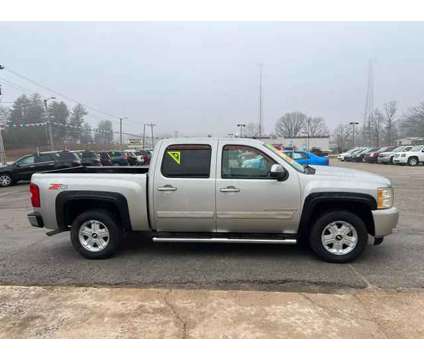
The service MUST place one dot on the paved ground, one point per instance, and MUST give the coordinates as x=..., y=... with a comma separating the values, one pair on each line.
x=28, y=256
x=75, y=312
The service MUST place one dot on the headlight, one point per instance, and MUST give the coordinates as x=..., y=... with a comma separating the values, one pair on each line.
x=384, y=198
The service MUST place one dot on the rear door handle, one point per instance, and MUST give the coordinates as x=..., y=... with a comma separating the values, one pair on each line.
x=167, y=188
x=229, y=189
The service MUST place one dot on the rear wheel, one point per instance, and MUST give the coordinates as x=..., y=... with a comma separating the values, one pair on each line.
x=5, y=180
x=95, y=234
x=338, y=236
x=413, y=161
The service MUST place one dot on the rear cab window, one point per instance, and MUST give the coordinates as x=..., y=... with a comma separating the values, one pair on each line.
x=187, y=161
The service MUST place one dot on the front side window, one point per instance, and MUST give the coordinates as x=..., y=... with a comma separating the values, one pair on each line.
x=299, y=156
x=29, y=160
x=187, y=161
x=245, y=162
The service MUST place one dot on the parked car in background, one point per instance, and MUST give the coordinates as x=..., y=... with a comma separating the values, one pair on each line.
x=307, y=158
x=386, y=157
x=359, y=155
x=118, y=158
x=372, y=156
x=146, y=155
x=347, y=156
x=105, y=158
x=132, y=158
x=88, y=158
x=412, y=157
x=23, y=168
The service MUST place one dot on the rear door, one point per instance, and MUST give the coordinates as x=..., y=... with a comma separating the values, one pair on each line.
x=44, y=162
x=184, y=188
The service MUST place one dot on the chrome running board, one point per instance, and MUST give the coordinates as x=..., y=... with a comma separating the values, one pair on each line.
x=224, y=240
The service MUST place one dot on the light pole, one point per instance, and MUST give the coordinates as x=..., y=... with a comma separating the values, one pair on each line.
x=353, y=123
x=49, y=122
x=151, y=132
x=120, y=133
x=241, y=126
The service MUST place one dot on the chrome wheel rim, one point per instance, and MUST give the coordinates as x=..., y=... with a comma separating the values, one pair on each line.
x=93, y=235
x=339, y=238
x=5, y=180
x=413, y=162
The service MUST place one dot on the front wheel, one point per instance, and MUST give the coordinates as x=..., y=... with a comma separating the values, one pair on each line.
x=412, y=161
x=338, y=236
x=95, y=234
x=5, y=180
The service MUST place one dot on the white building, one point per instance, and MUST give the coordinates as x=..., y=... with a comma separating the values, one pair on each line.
x=301, y=142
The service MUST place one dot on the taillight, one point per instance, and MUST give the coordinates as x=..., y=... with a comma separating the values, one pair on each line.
x=35, y=195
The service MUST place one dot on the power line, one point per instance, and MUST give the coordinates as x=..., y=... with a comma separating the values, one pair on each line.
x=59, y=93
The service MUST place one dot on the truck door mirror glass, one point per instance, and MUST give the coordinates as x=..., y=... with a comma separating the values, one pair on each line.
x=278, y=172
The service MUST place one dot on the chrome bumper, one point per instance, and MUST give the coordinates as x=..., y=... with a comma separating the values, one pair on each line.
x=35, y=219
x=385, y=221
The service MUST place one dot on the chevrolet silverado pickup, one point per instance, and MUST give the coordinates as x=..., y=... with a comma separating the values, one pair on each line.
x=216, y=190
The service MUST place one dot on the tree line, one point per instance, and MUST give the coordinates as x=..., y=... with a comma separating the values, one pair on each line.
x=382, y=127
x=294, y=124
x=27, y=124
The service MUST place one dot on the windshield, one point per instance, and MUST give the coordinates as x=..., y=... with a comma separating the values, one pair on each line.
x=286, y=158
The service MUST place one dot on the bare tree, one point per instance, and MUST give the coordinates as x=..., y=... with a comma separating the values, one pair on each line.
x=252, y=129
x=413, y=123
x=342, y=137
x=317, y=127
x=290, y=124
x=390, y=110
x=376, y=131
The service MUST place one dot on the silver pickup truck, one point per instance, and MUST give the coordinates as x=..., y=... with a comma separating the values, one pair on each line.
x=216, y=190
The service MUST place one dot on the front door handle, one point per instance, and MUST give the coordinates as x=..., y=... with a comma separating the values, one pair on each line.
x=167, y=188
x=229, y=189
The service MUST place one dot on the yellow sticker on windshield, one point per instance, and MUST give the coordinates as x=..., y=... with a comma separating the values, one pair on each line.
x=176, y=155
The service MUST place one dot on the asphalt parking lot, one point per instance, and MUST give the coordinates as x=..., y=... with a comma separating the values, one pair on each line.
x=29, y=257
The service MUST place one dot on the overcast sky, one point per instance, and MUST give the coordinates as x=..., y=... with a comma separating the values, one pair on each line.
x=202, y=78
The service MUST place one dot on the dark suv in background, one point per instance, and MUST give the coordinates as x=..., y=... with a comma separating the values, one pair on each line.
x=24, y=167
x=88, y=158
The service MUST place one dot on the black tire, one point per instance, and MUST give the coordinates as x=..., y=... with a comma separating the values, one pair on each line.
x=413, y=161
x=113, y=227
x=6, y=180
x=334, y=216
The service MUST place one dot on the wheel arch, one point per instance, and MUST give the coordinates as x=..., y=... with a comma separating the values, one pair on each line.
x=317, y=204
x=70, y=204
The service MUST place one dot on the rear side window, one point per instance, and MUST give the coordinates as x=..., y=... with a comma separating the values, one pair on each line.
x=44, y=158
x=187, y=161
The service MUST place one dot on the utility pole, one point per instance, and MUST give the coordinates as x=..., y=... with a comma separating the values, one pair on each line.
x=353, y=123
x=369, y=104
x=241, y=126
x=49, y=123
x=151, y=131
x=2, y=151
x=121, y=143
x=144, y=136
x=260, y=101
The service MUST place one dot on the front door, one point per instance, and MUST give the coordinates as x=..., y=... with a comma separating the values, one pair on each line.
x=184, y=189
x=248, y=199
x=25, y=167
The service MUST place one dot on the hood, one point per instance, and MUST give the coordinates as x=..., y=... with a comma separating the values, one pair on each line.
x=7, y=166
x=351, y=175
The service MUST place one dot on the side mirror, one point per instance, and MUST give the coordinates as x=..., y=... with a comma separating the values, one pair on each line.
x=278, y=172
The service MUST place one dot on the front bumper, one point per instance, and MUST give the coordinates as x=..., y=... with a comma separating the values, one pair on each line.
x=400, y=160
x=35, y=219
x=385, y=220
